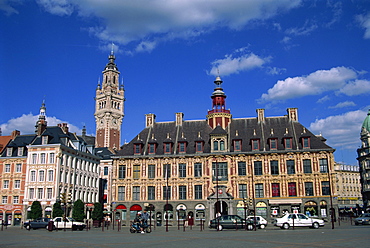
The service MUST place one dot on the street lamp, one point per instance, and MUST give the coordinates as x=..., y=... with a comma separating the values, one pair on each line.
x=245, y=212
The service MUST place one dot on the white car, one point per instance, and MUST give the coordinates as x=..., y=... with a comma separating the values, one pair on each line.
x=69, y=223
x=262, y=222
x=298, y=220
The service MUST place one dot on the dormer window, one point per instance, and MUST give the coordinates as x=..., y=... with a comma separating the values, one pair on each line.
x=182, y=147
x=44, y=140
x=137, y=148
x=218, y=144
x=288, y=143
x=167, y=148
x=255, y=144
x=9, y=151
x=152, y=148
x=306, y=142
x=20, y=151
x=273, y=144
x=237, y=145
x=199, y=146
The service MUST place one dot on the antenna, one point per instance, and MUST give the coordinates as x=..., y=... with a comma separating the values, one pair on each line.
x=112, y=51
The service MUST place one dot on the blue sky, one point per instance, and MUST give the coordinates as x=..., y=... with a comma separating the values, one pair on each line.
x=312, y=55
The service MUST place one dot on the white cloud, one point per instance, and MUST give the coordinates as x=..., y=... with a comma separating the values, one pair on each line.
x=356, y=87
x=307, y=28
x=125, y=21
x=343, y=105
x=323, y=99
x=145, y=46
x=313, y=84
x=5, y=5
x=364, y=21
x=341, y=131
x=230, y=64
x=26, y=124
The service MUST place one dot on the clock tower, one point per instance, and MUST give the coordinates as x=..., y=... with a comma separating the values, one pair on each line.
x=109, y=107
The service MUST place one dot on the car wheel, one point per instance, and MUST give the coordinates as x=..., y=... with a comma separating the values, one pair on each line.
x=148, y=230
x=132, y=230
x=81, y=228
x=315, y=225
x=262, y=226
x=28, y=227
x=286, y=226
x=356, y=223
x=219, y=227
x=249, y=227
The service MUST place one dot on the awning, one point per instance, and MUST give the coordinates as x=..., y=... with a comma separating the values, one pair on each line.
x=48, y=209
x=121, y=207
x=135, y=208
x=285, y=201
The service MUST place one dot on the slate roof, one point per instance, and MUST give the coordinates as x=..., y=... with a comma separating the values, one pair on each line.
x=244, y=129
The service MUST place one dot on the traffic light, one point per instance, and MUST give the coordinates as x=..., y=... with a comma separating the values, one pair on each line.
x=63, y=198
x=69, y=198
x=251, y=201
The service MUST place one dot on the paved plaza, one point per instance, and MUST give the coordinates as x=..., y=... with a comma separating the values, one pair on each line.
x=345, y=235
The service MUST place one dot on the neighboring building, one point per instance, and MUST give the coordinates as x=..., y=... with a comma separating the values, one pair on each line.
x=348, y=188
x=4, y=140
x=106, y=168
x=43, y=166
x=221, y=164
x=109, y=107
x=364, y=161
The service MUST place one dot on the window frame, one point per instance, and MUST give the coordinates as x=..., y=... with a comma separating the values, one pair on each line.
x=242, y=168
x=257, y=170
x=275, y=189
x=292, y=189
x=237, y=145
x=255, y=143
x=274, y=167
x=307, y=168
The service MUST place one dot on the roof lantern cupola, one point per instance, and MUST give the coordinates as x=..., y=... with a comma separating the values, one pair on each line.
x=41, y=122
x=366, y=123
x=219, y=115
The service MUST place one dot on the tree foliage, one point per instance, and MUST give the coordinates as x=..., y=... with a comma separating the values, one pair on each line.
x=36, y=210
x=78, y=210
x=97, y=213
x=57, y=210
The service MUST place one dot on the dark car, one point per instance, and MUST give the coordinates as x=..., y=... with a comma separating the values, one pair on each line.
x=37, y=223
x=363, y=219
x=231, y=222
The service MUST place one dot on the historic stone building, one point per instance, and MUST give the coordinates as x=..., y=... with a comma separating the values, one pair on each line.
x=364, y=161
x=223, y=164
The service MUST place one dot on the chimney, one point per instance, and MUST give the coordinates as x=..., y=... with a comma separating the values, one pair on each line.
x=150, y=120
x=179, y=119
x=15, y=133
x=64, y=127
x=260, y=115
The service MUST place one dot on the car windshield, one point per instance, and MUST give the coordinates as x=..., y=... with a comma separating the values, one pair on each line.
x=365, y=215
x=70, y=219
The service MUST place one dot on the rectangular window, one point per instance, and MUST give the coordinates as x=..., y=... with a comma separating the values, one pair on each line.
x=44, y=140
x=273, y=144
x=308, y=188
x=41, y=176
x=49, y=193
x=33, y=176
x=17, y=184
x=199, y=146
x=166, y=192
x=182, y=170
x=18, y=168
x=167, y=148
x=137, y=149
x=151, y=193
x=15, y=199
x=197, y=169
x=290, y=166
x=136, y=172
x=166, y=171
x=151, y=171
x=242, y=168
x=325, y=188
x=105, y=170
x=221, y=173
x=4, y=200
x=198, y=192
x=275, y=187
x=182, y=192
x=237, y=145
x=40, y=193
x=52, y=158
x=50, y=175
x=307, y=166
x=43, y=158
x=292, y=190
x=288, y=143
x=9, y=151
x=7, y=167
x=34, y=158
x=243, y=191
x=31, y=193
x=121, y=193
x=258, y=168
x=121, y=171
x=136, y=193
x=274, y=167
x=323, y=165
x=255, y=144
x=306, y=142
x=182, y=147
x=259, y=190
x=20, y=151
x=151, y=148
x=6, y=184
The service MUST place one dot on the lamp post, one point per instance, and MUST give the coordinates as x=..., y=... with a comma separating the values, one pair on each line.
x=166, y=197
x=331, y=200
x=245, y=212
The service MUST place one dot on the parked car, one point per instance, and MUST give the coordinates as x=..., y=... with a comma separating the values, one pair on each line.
x=68, y=222
x=262, y=222
x=37, y=223
x=231, y=222
x=298, y=220
x=363, y=219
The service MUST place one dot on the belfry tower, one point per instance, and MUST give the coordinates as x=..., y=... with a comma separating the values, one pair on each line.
x=109, y=107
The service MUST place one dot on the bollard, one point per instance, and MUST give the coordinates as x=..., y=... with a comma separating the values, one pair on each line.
x=102, y=225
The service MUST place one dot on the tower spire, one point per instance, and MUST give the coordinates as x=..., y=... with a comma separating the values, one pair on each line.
x=41, y=122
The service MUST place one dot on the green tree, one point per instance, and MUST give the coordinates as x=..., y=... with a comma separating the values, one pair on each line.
x=57, y=210
x=78, y=210
x=36, y=210
x=97, y=213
